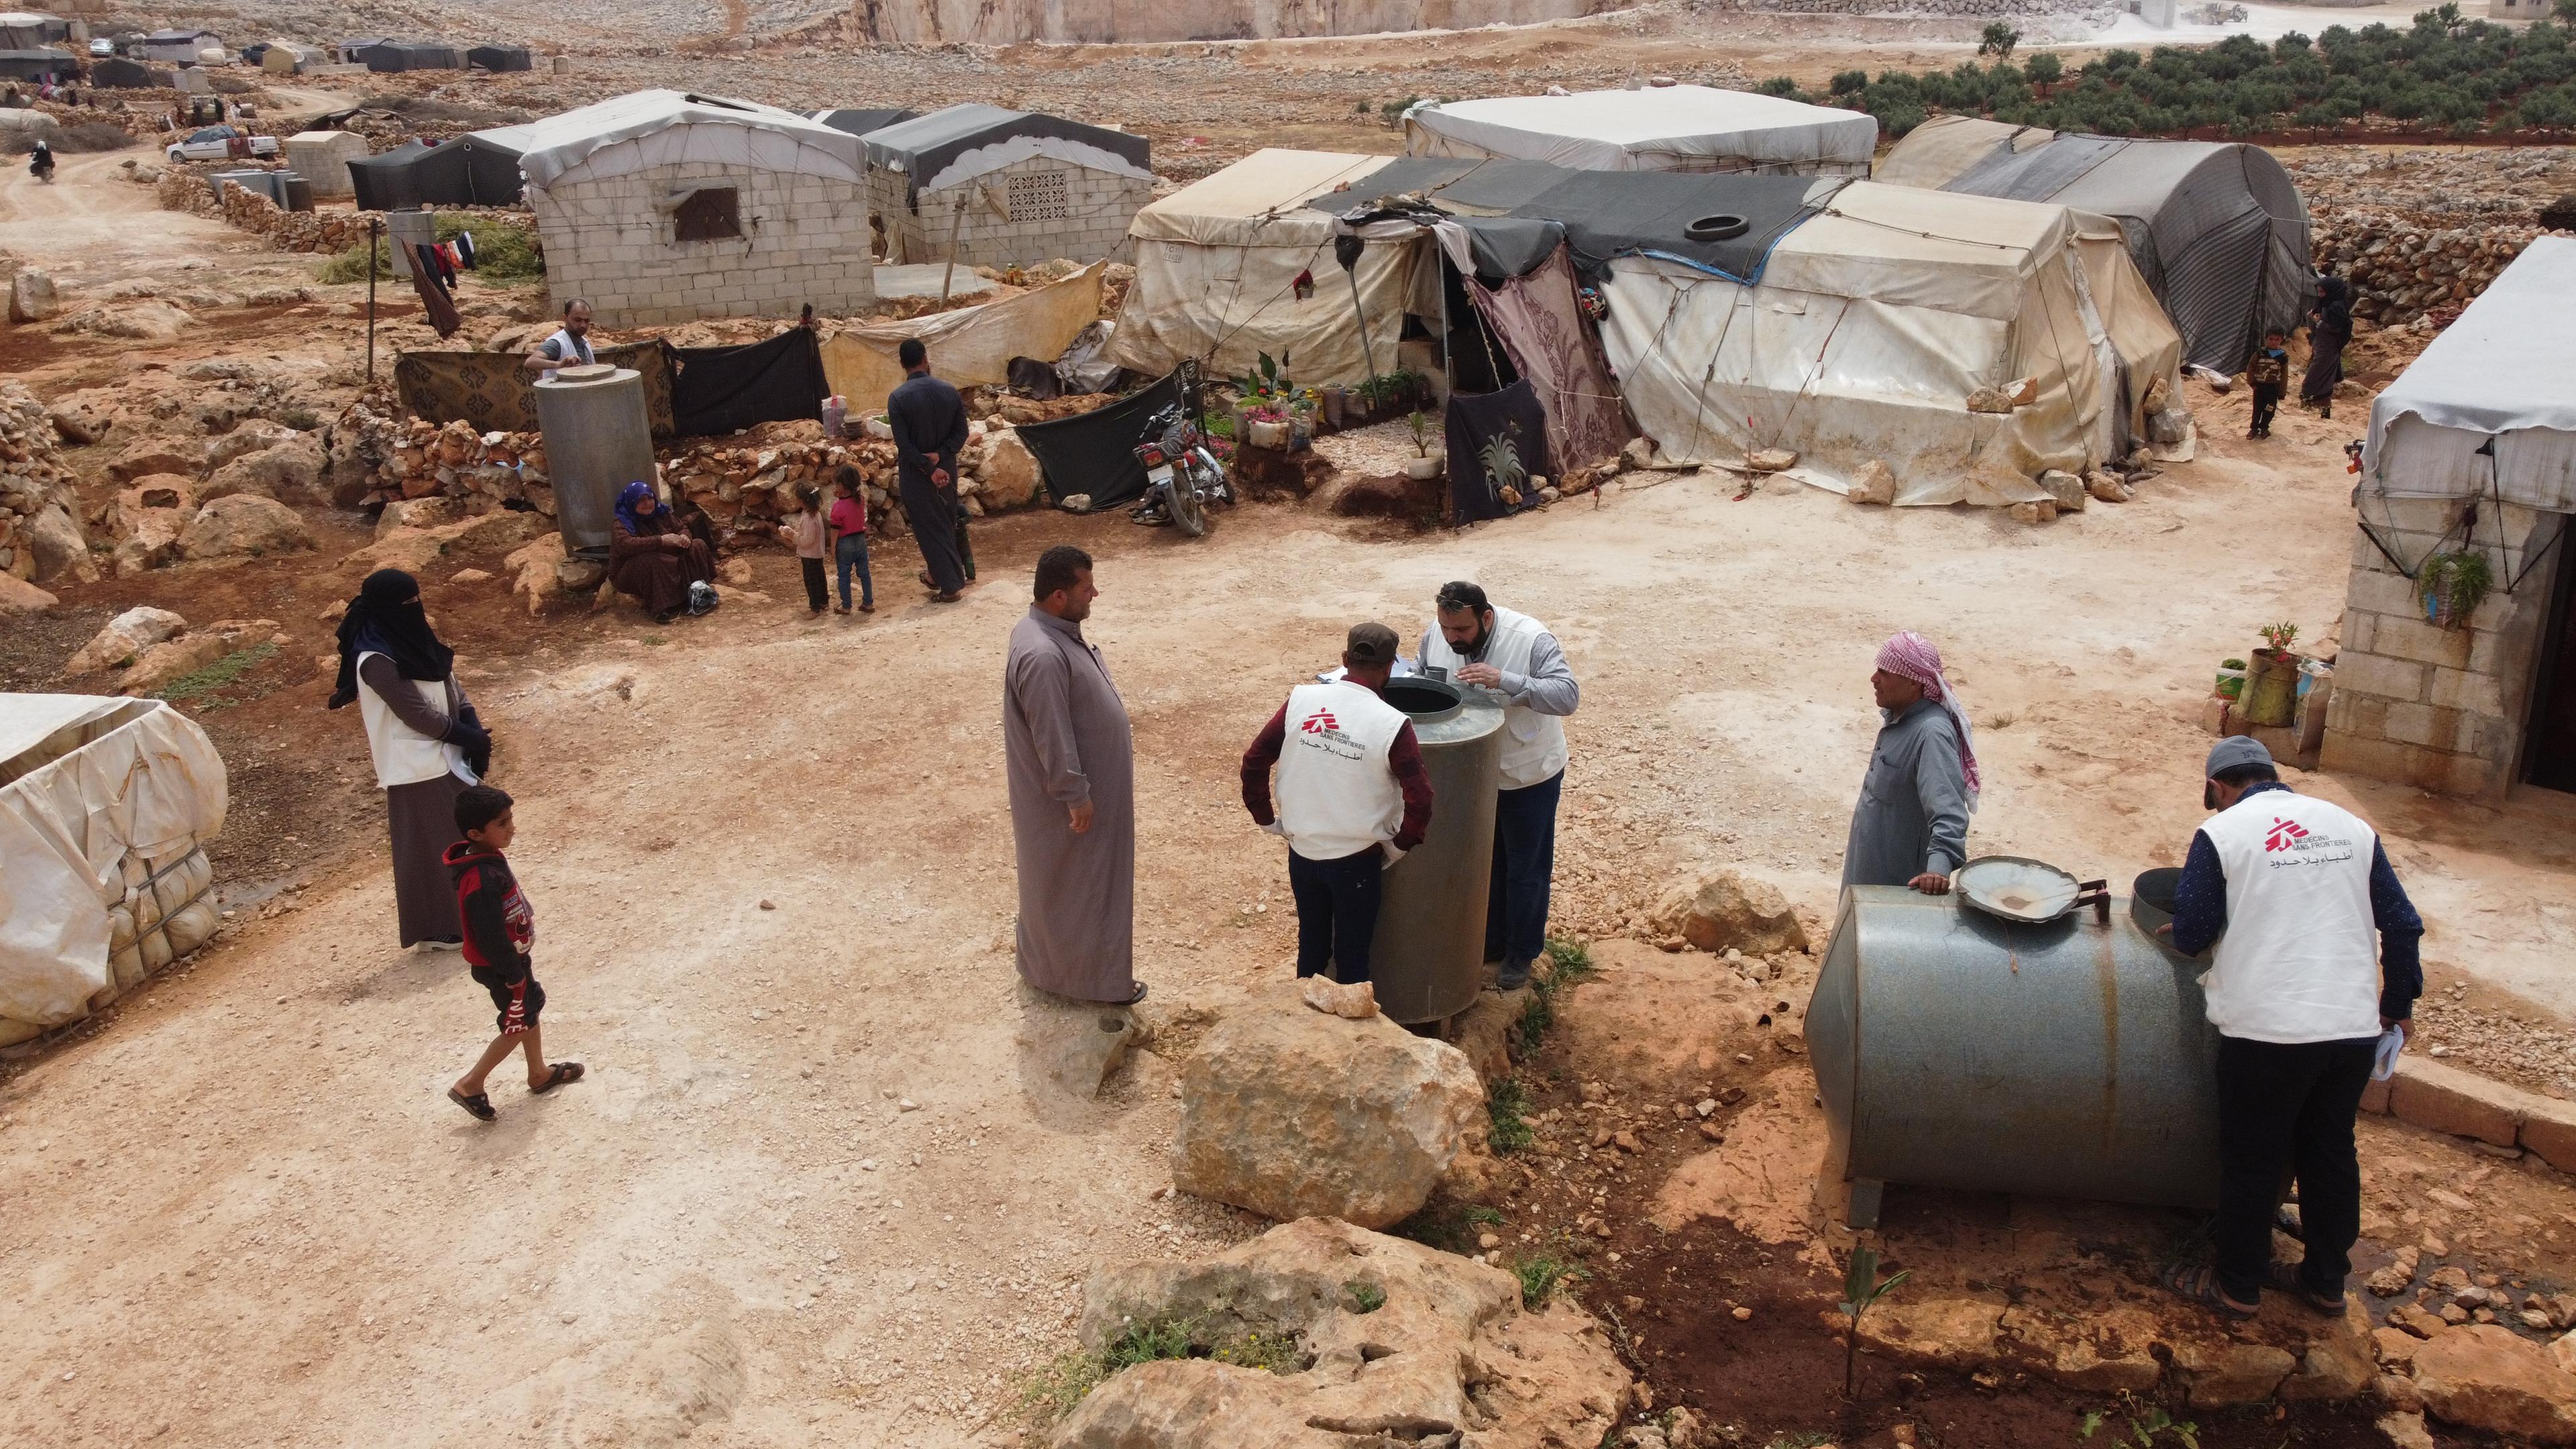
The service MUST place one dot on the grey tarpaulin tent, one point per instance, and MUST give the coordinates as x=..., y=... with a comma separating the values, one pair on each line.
x=118, y=73
x=467, y=171
x=927, y=146
x=402, y=55
x=859, y=123
x=2217, y=228
x=38, y=64
x=500, y=57
x=30, y=30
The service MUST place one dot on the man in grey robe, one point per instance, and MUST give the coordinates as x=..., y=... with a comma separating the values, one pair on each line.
x=1073, y=795
x=1911, y=826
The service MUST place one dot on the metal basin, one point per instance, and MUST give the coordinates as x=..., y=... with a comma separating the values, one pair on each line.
x=2072, y=1058
x=1428, y=956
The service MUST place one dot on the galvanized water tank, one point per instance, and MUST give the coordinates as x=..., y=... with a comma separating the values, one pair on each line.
x=598, y=440
x=1953, y=1049
x=1428, y=957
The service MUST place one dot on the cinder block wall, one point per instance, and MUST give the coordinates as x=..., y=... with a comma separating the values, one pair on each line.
x=2441, y=709
x=1087, y=224
x=805, y=239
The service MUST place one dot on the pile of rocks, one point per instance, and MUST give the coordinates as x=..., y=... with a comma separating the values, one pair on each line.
x=40, y=532
x=2402, y=271
x=184, y=188
x=420, y=459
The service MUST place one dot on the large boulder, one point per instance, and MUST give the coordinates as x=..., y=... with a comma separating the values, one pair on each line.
x=291, y=468
x=1728, y=909
x=150, y=540
x=153, y=455
x=1009, y=476
x=1292, y=1113
x=413, y=549
x=80, y=419
x=17, y=596
x=32, y=297
x=251, y=436
x=2482, y=1376
x=1364, y=1339
x=55, y=537
x=244, y=524
x=125, y=637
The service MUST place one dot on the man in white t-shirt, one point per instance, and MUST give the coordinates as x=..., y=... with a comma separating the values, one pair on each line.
x=1353, y=798
x=569, y=345
x=1516, y=662
x=2289, y=888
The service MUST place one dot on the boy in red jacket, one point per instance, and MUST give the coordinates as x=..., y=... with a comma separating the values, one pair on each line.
x=499, y=929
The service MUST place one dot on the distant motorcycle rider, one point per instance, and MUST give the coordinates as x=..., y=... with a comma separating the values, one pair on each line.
x=41, y=164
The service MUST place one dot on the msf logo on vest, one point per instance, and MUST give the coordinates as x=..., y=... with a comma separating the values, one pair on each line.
x=1322, y=731
x=2284, y=834
x=1321, y=722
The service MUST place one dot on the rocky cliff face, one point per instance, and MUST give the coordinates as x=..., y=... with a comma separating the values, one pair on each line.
x=1006, y=22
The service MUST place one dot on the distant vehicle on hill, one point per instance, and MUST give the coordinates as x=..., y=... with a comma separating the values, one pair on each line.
x=102, y=47
x=214, y=143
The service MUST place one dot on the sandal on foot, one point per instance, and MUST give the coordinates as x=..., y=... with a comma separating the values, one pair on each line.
x=2284, y=1277
x=2199, y=1283
x=563, y=1072
x=480, y=1104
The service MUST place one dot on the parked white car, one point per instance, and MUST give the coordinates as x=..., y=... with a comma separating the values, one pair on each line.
x=101, y=48
x=214, y=143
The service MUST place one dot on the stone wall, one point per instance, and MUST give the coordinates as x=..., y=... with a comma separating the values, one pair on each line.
x=2401, y=270
x=1087, y=223
x=2441, y=709
x=805, y=239
x=40, y=534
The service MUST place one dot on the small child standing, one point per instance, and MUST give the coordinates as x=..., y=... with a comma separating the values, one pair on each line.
x=804, y=529
x=2268, y=373
x=850, y=536
x=499, y=930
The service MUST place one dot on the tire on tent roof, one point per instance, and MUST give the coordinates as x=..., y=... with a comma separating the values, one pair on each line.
x=1723, y=226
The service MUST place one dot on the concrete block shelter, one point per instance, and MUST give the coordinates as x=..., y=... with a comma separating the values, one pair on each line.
x=323, y=157
x=1030, y=187
x=2483, y=707
x=661, y=207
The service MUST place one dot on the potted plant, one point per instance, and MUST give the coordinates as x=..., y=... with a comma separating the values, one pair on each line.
x=1424, y=464
x=2231, y=679
x=2452, y=585
x=2271, y=693
x=1266, y=426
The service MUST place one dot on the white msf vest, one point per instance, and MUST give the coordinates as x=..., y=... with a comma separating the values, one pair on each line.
x=1336, y=795
x=403, y=755
x=2299, y=961
x=570, y=350
x=1533, y=743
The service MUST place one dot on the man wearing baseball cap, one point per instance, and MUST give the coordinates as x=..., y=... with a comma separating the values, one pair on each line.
x=2289, y=889
x=1353, y=799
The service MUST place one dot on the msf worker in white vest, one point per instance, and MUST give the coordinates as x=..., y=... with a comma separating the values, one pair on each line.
x=1513, y=657
x=2289, y=889
x=1353, y=798
x=568, y=347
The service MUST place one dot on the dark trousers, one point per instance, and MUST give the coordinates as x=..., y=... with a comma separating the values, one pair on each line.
x=816, y=596
x=2325, y=365
x=2267, y=401
x=932, y=512
x=965, y=546
x=1524, y=865
x=2284, y=1108
x=850, y=551
x=1337, y=904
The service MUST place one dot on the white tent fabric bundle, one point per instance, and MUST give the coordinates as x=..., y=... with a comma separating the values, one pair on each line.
x=2503, y=372
x=1871, y=326
x=649, y=129
x=1216, y=270
x=104, y=805
x=1658, y=128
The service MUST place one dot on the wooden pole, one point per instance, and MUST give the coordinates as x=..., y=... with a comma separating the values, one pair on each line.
x=956, y=220
x=373, y=223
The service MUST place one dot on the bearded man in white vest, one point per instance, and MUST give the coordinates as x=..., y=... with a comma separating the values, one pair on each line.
x=2289, y=889
x=1515, y=661
x=1353, y=798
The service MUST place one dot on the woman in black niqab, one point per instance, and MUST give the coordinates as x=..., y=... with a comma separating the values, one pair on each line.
x=423, y=736
x=386, y=618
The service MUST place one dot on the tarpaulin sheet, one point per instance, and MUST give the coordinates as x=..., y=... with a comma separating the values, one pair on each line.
x=650, y=129
x=467, y=171
x=725, y=389
x=1485, y=433
x=1653, y=128
x=491, y=391
x=958, y=143
x=88, y=782
x=2503, y=371
x=1608, y=214
x=1095, y=452
x=860, y=122
x=1541, y=325
x=969, y=345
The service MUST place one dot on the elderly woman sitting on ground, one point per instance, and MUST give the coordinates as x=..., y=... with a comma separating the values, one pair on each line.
x=653, y=558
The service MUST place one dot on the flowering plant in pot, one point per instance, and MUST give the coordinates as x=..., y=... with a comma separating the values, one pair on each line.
x=1265, y=426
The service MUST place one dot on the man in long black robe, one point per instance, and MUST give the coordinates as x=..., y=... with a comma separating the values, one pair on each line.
x=929, y=422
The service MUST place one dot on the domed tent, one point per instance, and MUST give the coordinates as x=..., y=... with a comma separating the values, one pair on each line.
x=471, y=170
x=2217, y=228
x=1031, y=187
x=402, y=55
x=500, y=57
x=1656, y=128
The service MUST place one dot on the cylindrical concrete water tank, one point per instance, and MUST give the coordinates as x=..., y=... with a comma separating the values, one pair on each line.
x=403, y=230
x=1428, y=957
x=299, y=192
x=1954, y=1049
x=598, y=440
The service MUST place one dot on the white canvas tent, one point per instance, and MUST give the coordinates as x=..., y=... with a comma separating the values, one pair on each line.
x=104, y=804
x=1658, y=128
x=2505, y=372
x=1870, y=326
x=1216, y=268
x=647, y=129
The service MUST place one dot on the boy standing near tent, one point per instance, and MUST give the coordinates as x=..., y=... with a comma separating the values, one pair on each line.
x=2268, y=373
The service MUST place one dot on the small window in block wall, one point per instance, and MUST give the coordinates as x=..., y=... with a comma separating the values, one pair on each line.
x=711, y=213
x=1039, y=196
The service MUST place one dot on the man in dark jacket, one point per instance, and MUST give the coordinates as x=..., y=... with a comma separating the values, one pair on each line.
x=929, y=422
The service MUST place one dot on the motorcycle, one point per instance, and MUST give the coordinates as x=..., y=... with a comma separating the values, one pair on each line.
x=42, y=168
x=1182, y=474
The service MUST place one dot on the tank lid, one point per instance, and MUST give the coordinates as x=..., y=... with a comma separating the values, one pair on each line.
x=587, y=374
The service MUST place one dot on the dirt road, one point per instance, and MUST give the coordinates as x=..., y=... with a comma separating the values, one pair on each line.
x=807, y=1193
x=94, y=226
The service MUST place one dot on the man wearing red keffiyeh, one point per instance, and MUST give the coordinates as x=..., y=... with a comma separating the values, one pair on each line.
x=1911, y=825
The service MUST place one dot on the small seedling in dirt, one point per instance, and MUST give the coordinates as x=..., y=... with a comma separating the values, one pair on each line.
x=215, y=676
x=1504, y=1104
x=1572, y=963
x=1366, y=1297
x=1861, y=1288
x=1147, y=1342
x=1803, y=1439
x=2149, y=1427
x=1540, y=1278
x=1045, y=1394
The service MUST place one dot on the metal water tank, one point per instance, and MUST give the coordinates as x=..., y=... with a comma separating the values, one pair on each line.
x=2068, y=1059
x=1428, y=957
x=598, y=440
x=299, y=192
x=404, y=230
